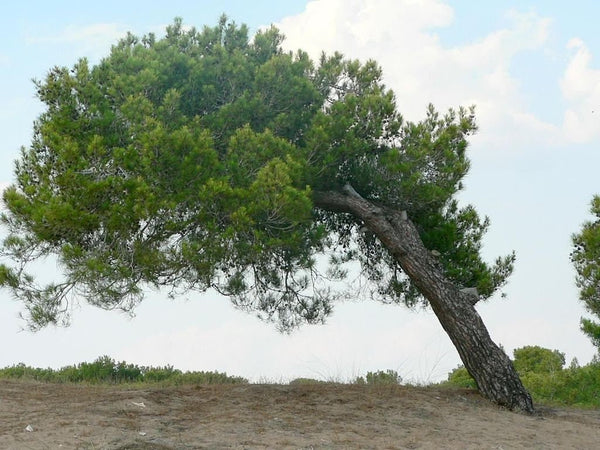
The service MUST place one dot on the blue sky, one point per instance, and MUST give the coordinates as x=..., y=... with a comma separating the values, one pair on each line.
x=532, y=68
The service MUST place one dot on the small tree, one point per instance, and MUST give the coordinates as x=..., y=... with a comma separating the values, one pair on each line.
x=205, y=160
x=586, y=259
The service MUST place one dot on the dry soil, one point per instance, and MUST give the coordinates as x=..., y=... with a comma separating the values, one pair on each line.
x=315, y=416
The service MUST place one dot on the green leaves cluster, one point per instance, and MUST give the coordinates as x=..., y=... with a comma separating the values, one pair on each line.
x=586, y=259
x=537, y=359
x=191, y=162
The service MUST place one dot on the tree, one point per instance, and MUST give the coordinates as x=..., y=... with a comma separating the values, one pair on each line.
x=204, y=160
x=586, y=259
x=533, y=358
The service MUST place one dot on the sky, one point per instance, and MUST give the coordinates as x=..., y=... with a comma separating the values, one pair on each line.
x=531, y=68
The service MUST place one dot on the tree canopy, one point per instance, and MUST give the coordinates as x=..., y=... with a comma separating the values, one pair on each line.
x=194, y=161
x=538, y=359
x=586, y=259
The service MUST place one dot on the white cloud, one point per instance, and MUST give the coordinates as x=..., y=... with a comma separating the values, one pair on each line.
x=401, y=36
x=360, y=25
x=91, y=33
x=93, y=40
x=581, y=88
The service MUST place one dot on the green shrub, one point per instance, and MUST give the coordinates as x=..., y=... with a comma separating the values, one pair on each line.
x=380, y=377
x=101, y=370
x=105, y=370
x=16, y=371
x=207, y=378
x=129, y=373
x=70, y=374
x=543, y=376
x=538, y=359
x=157, y=374
x=22, y=371
x=578, y=386
x=460, y=377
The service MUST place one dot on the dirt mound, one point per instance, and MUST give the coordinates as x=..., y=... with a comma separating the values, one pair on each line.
x=276, y=416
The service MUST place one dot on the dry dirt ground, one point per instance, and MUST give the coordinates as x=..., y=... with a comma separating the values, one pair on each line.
x=317, y=416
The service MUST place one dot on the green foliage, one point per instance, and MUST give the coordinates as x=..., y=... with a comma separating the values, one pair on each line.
x=380, y=377
x=537, y=359
x=592, y=330
x=192, y=161
x=207, y=378
x=105, y=370
x=160, y=374
x=586, y=259
x=541, y=371
x=460, y=377
x=573, y=386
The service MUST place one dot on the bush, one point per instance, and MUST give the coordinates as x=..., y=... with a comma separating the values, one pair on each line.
x=17, y=371
x=460, y=377
x=101, y=370
x=123, y=372
x=542, y=375
x=22, y=371
x=105, y=370
x=537, y=359
x=380, y=377
x=207, y=378
x=157, y=374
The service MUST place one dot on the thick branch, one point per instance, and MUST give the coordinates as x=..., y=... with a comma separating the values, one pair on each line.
x=374, y=217
x=398, y=234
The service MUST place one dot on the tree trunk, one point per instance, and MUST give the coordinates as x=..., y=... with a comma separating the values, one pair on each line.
x=492, y=370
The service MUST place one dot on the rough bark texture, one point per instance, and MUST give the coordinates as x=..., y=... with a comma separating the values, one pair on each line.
x=485, y=361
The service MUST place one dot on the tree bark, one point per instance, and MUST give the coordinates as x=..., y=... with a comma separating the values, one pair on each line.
x=491, y=368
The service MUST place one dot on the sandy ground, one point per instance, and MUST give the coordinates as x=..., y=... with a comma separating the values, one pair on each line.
x=277, y=416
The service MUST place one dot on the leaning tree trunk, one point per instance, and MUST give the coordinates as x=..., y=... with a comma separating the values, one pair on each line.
x=492, y=370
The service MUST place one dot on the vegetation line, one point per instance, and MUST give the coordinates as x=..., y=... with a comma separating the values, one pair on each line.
x=542, y=371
